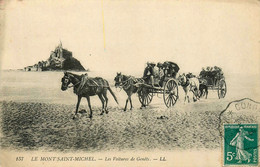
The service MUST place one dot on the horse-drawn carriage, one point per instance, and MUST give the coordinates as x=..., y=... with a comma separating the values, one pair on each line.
x=164, y=82
x=213, y=78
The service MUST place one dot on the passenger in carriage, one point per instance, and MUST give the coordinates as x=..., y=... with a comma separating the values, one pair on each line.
x=149, y=73
x=161, y=73
x=170, y=69
x=158, y=71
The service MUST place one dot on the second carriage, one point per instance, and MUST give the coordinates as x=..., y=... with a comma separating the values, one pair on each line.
x=164, y=82
x=213, y=78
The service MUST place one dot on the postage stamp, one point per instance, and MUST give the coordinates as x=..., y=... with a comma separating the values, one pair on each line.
x=240, y=144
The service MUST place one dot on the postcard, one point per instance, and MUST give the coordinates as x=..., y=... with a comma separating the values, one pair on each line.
x=129, y=83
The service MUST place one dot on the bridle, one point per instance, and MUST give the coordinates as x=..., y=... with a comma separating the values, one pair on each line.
x=186, y=83
x=73, y=85
x=122, y=84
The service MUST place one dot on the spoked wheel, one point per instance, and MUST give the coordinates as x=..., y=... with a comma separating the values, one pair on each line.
x=145, y=96
x=222, y=89
x=170, y=93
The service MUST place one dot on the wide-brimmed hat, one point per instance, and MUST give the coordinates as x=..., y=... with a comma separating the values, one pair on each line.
x=159, y=64
x=152, y=63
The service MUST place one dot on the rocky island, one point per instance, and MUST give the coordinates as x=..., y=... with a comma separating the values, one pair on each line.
x=60, y=59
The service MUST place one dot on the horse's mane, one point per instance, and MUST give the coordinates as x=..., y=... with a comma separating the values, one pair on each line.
x=75, y=75
x=125, y=77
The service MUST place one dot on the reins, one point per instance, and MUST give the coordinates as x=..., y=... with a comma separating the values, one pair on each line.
x=186, y=83
x=74, y=85
x=124, y=83
x=96, y=85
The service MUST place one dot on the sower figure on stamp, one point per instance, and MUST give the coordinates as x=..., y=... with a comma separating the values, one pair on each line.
x=238, y=141
x=149, y=73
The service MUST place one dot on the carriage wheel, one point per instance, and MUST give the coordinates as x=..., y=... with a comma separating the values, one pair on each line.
x=222, y=89
x=145, y=96
x=170, y=93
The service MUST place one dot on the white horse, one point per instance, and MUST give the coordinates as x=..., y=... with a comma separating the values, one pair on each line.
x=189, y=85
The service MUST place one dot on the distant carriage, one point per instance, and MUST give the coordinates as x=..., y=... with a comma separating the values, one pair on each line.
x=213, y=78
x=165, y=83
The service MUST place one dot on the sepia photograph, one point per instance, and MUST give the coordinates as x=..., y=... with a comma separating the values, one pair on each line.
x=129, y=83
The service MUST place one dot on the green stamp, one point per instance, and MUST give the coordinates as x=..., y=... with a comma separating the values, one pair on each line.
x=240, y=144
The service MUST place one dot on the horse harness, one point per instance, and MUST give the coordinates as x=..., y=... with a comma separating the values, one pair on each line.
x=186, y=83
x=94, y=85
x=128, y=83
x=74, y=85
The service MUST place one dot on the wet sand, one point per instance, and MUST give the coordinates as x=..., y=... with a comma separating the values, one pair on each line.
x=50, y=126
x=36, y=114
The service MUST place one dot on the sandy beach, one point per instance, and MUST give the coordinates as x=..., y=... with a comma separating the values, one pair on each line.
x=36, y=114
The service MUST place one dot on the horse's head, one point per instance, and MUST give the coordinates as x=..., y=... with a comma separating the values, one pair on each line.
x=118, y=79
x=182, y=79
x=65, y=81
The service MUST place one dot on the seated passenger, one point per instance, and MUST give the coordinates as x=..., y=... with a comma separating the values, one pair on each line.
x=170, y=69
x=160, y=73
x=149, y=73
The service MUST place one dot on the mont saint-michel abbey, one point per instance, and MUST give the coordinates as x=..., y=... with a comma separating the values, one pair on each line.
x=60, y=59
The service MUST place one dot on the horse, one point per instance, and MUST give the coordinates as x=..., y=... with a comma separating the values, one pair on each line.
x=84, y=86
x=203, y=90
x=189, y=85
x=129, y=85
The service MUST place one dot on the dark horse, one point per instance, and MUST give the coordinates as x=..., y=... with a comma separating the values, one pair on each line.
x=203, y=90
x=130, y=86
x=84, y=86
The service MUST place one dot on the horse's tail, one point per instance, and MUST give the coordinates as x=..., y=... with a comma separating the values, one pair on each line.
x=112, y=93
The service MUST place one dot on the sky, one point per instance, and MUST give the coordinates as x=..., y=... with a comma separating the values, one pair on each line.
x=123, y=35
